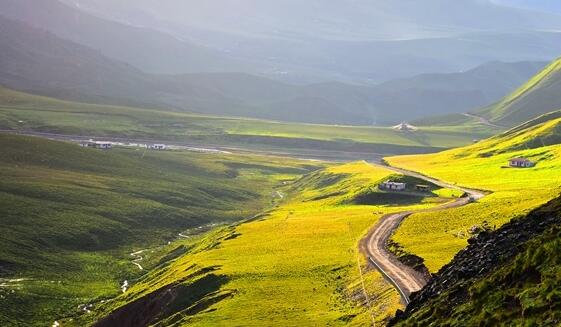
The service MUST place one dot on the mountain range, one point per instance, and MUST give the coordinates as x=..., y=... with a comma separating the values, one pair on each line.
x=364, y=42
x=154, y=144
x=37, y=61
x=537, y=96
x=349, y=20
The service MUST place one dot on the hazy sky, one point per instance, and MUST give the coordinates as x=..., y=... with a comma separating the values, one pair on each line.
x=543, y=5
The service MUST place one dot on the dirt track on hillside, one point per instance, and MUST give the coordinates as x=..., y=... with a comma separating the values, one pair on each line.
x=374, y=246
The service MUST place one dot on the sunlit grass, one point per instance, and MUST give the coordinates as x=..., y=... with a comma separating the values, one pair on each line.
x=29, y=112
x=438, y=236
x=70, y=216
x=297, y=266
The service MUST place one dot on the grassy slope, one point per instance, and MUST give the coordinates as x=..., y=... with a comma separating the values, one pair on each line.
x=70, y=216
x=437, y=237
x=536, y=289
x=28, y=112
x=524, y=291
x=298, y=265
x=537, y=96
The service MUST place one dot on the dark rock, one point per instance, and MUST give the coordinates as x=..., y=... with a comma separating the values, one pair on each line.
x=485, y=253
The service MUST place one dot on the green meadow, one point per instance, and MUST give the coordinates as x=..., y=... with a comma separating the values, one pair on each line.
x=436, y=237
x=71, y=216
x=297, y=264
x=20, y=111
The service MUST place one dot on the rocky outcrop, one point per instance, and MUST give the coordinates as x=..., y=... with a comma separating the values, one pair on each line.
x=184, y=298
x=408, y=259
x=486, y=252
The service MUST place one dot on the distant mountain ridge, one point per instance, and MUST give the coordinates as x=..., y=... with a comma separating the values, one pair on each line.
x=345, y=20
x=537, y=96
x=540, y=95
x=450, y=93
x=37, y=61
x=144, y=48
x=301, y=43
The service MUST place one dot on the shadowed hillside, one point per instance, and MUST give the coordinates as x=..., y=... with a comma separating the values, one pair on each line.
x=73, y=215
x=538, y=96
x=365, y=41
x=39, y=62
x=146, y=49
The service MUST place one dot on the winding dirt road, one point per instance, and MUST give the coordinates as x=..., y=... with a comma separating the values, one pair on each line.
x=405, y=279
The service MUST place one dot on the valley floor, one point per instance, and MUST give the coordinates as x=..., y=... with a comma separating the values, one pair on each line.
x=72, y=216
x=31, y=114
x=298, y=264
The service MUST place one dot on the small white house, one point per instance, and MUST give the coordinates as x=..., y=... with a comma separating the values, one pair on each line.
x=104, y=145
x=521, y=163
x=405, y=127
x=392, y=186
x=97, y=145
x=158, y=147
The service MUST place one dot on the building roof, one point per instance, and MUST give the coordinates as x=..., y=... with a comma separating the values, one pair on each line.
x=520, y=159
x=405, y=127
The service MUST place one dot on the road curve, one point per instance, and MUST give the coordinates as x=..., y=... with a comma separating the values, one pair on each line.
x=405, y=279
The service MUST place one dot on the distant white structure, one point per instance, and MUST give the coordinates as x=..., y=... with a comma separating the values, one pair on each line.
x=97, y=145
x=158, y=147
x=392, y=186
x=405, y=127
x=521, y=163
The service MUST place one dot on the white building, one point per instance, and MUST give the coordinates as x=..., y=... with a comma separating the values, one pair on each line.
x=104, y=145
x=158, y=147
x=97, y=145
x=405, y=127
x=393, y=186
x=521, y=163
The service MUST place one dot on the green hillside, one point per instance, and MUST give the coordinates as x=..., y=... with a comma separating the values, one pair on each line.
x=538, y=96
x=484, y=165
x=441, y=94
x=43, y=63
x=519, y=285
x=25, y=112
x=297, y=265
x=499, y=280
x=71, y=215
x=129, y=43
